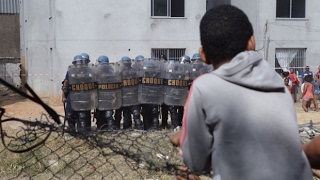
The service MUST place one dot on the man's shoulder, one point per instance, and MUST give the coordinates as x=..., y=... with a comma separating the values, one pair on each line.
x=205, y=80
x=205, y=77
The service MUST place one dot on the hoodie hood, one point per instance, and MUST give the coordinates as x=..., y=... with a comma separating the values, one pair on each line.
x=248, y=69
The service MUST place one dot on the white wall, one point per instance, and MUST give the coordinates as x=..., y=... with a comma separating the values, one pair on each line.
x=272, y=33
x=97, y=27
x=250, y=8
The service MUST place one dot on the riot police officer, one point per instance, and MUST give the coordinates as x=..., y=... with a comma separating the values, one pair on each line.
x=198, y=67
x=176, y=88
x=183, y=59
x=195, y=56
x=109, y=92
x=82, y=90
x=144, y=107
x=163, y=106
x=86, y=57
x=151, y=92
x=130, y=89
x=69, y=113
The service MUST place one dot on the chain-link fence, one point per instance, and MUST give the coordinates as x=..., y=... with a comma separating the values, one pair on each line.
x=42, y=148
x=38, y=150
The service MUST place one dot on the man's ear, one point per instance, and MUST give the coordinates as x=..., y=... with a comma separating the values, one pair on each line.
x=251, y=44
x=203, y=56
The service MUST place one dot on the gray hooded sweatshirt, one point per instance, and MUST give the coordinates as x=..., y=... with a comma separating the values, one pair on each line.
x=240, y=120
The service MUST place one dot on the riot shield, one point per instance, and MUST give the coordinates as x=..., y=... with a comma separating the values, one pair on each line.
x=198, y=67
x=82, y=86
x=151, y=82
x=137, y=65
x=130, y=83
x=176, y=83
x=109, y=86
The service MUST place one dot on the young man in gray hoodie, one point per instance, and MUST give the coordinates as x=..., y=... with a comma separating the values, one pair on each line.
x=239, y=120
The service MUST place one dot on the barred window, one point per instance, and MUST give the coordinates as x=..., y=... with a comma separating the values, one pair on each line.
x=9, y=6
x=171, y=54
x=290, y=57
x=167, y=8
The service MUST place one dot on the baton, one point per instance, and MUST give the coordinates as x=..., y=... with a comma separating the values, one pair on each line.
x=64, y=122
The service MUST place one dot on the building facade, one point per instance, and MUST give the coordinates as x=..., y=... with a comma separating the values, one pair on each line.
x=287, y=32
x=54, y=31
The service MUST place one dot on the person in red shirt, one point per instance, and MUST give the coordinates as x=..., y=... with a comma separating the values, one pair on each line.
x=295, y=84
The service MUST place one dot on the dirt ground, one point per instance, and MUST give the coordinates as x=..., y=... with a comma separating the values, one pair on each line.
x=18, y=107
x=21, y=108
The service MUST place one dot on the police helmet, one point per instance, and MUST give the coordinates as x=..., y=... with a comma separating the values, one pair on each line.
x=149, y=64
x=78, y=60
x=125, y=60
x=195, y=56
x=184, y=59
x=139, y=58
x=85, y=56
x=103, y=59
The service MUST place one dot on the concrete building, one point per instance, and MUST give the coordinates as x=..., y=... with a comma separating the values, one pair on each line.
x=287, y=32
x=54, y=31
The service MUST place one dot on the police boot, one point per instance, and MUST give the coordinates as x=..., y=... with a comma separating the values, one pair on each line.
x=174, y=117
x=164, y=116
x=155, y=118
x=117, y=117
x=110, y=120
x=145, y=112
x=71, y=122
x=180, y=114
x=84, y=121
x=136, y=117
x=146, y=121
x=100, y=120
x=127, y=122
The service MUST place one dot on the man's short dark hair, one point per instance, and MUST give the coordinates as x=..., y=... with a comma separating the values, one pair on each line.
x=224, y=31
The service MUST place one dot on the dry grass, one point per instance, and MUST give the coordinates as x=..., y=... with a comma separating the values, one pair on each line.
x=104, y=156
x=130, y=155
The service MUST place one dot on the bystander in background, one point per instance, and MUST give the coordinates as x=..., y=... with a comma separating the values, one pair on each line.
x=307, y=72
x=316, y=85
x=307, y=94
x=295, y=84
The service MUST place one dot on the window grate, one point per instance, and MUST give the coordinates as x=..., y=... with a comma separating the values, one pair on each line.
x=170, y=53
x=285, y=58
